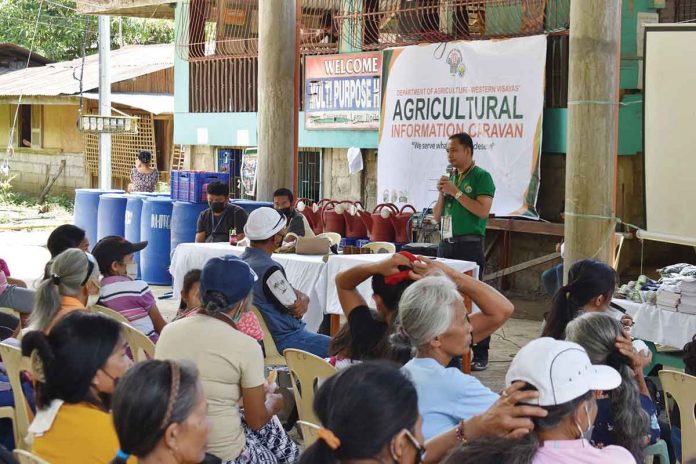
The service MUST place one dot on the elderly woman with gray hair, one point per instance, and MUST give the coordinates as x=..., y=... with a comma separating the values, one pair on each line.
x=73, y=285
x=433, y=318
x=627, y=415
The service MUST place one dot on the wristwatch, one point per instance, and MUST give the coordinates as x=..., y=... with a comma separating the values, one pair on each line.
x=458, y=195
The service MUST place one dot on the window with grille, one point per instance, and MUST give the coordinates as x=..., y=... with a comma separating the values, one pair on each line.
x=309, y=173
x=684, y=10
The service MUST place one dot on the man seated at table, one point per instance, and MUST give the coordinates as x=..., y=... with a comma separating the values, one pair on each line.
x=281, y=305
x=221, y=219
x=297, y=224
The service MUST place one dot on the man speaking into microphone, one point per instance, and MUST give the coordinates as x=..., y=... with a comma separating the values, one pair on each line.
x=466, y=196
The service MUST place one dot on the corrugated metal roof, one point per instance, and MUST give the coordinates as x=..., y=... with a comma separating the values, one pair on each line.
x=63, y=78
x=155, y=103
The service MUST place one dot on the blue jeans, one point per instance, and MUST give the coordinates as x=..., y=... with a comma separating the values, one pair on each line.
x=305, y=340
x=552, y=279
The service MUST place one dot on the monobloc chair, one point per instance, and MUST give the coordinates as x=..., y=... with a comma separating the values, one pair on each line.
x=307, y=372
x=109, y=312
x=140, y=344
x=273, y=357
x=380, y=247
x=15, y=364
x=682, y=388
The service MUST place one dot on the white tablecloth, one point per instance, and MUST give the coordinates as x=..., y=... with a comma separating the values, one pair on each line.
x=309, y=274
x=659, y=326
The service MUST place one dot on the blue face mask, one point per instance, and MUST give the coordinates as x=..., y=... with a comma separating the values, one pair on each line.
x=587, y=434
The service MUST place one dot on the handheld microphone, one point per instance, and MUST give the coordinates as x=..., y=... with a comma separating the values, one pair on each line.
x=449, y=171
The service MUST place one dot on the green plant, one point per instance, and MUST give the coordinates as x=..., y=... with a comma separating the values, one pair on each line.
x=6, y=193
x=63, y=201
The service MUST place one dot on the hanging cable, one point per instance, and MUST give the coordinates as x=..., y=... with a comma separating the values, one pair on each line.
x=5, y=168
x=83, y=51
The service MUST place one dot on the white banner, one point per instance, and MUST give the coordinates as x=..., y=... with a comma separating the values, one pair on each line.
x=491, y=89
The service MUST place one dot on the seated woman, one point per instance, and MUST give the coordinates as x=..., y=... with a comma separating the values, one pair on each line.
x=433, y=318
x=72, y=286
x=567, y=384
x=76, y=367
x=160, y=414
x=14, y=294
x=627, y=415
x=368, y=329
x=379, y=422
x=62, y=238
x=591, y=285
x=191, y=304
x=231, y=367
x=120, y=290
x=143, y=176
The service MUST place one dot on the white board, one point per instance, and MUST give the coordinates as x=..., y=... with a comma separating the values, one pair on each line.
x=670, y=129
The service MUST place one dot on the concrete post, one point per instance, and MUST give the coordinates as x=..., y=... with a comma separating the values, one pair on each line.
x=593, y=113
x=276, y=89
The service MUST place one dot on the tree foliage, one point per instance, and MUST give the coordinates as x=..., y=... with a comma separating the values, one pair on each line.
x=60, y=29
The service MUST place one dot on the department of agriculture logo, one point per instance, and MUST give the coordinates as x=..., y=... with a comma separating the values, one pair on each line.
x=456, y=64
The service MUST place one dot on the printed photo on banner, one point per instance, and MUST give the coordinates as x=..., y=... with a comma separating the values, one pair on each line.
x=343, y=91
x=249, y=169
x=491, y=89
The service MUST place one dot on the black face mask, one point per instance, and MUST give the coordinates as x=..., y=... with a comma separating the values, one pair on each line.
x=105, y=398
x=217, y=206
x=287, y=212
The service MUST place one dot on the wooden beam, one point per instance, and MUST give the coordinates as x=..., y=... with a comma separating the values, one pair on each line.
x=490, y=246
x=522, y=266
x=530, y=227
x=160, y=9
x=51, y=181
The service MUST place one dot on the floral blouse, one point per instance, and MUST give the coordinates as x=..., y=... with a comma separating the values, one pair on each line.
x=144, y=182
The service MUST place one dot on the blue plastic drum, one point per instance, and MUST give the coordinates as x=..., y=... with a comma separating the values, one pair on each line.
x=134, y=208
x=112, y=215
x=86, y=210
x=155, y=227
x=184, y=221
x=251, y=205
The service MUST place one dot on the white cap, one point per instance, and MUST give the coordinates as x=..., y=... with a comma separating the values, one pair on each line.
x=560, y=370
x=263, y=223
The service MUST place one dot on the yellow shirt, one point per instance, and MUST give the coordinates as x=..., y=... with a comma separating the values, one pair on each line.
x=80, y=433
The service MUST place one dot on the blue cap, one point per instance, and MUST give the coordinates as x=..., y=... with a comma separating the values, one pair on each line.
x=228, y=275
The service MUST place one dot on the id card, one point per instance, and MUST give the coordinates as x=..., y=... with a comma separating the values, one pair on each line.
x=446, y=227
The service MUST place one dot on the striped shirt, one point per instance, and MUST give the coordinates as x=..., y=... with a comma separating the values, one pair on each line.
x=131, y=298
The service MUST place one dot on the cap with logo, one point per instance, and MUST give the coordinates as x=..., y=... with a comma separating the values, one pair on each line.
x=114, y=248
x=263, y=223
x=228, y=275
x=560, y=370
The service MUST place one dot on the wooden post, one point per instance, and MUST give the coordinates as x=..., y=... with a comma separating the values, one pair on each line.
x=276, y=96
x=593, y=112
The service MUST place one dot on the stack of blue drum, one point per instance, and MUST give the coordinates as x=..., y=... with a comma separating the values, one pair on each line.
x=154, y=217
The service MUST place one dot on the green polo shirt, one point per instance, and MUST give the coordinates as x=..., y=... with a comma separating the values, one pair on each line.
x=477, y=182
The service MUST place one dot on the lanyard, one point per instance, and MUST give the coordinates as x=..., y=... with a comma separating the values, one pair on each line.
x=458, y=178
x=214, y=227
